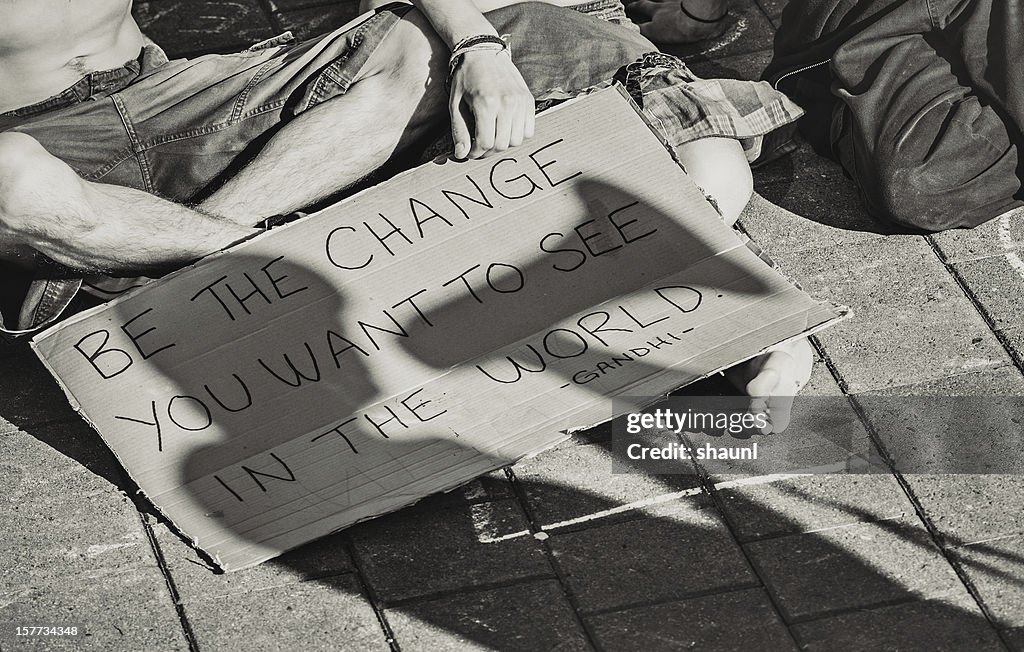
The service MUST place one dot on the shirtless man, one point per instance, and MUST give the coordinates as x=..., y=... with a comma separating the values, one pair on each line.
x=145, y=174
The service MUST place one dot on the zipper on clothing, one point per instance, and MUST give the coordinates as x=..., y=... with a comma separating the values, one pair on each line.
x=798, y=71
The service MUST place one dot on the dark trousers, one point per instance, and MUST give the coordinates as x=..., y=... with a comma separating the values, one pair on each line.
x=931, y=110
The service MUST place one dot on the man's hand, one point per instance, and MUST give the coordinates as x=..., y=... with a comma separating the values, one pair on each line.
x=491, y=107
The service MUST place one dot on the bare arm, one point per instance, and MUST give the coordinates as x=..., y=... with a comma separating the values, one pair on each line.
x=94, y=227
x=491, y=107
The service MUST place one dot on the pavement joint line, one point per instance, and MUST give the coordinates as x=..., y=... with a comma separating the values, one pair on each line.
x=172, y=589
x=269, y=587
x=933, y=532
x=560, y=575
x=690, y=595
x=965, y=372
x=1001, y=537
x=371, y=596
x=965, y=288
x=635, y=505
x=882, y=604
x=719, y=505
x=467, y=590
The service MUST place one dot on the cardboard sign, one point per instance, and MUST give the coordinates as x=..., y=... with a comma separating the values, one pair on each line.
x=419, y=334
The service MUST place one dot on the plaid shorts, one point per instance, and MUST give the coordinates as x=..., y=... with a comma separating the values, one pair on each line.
x=208, y=112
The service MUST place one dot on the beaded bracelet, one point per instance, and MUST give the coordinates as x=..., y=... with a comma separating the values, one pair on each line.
x=474, y=44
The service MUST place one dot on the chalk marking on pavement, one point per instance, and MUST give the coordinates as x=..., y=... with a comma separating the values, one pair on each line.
x=483, y=515
x=730, y=37
x=1006, y=239
x=486, y=524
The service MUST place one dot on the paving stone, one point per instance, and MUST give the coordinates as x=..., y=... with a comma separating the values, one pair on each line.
x=128, y=610
x=855, y=567
x=824, y=436
x=946, y=435
x=77, y=443
x=969, y=508
x=968, y=423
x=487, y=488
x=742, y=66
x=821, y=382
x=785, y=219
x=927, y=626
x=185, y=27
x=1014, y=339
x=307, y=23
x=995, y=568
x=1002, y=381
x=321, y=615
x=578, y=482
x=419, y=551
x=993, y=238
x=28, y=393
x=531, y=616
x=996, y=284
x=650, y=560
x=196, y=580
x=61, y=520
x=808, y=503
x=897, y=332
x=738, y=620
x=776, y=180
x=1015, y=639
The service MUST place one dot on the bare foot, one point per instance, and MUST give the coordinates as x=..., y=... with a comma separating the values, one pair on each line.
x=773, y=379
x=666, y=21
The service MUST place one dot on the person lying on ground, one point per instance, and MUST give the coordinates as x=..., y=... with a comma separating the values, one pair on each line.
x=114, y=160
x=922, y=103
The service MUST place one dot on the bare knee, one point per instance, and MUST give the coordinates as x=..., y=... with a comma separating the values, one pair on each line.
x=719, y=167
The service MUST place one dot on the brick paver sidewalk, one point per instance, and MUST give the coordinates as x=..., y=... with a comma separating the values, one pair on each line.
x=829, y=562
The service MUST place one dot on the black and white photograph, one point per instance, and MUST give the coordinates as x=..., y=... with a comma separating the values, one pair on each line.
x=484, y=325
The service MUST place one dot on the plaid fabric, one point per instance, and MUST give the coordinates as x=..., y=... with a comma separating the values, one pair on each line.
x=684, y=107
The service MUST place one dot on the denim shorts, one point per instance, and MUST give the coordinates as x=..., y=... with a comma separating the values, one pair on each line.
x=174, y=128
x=177, y=128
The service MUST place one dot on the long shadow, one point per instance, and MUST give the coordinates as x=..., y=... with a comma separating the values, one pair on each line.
x=347, y=388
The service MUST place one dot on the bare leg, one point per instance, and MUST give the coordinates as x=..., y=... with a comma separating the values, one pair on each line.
x=720, y=168
x=399, y=95
x=45, y=206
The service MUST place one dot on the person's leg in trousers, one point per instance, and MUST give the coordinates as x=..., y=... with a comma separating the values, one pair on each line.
x=927, y=151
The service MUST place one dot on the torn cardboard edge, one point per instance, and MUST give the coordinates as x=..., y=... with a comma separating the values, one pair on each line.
x=392, y=501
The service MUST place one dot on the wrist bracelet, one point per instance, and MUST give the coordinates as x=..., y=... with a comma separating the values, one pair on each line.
x=478, y=43
x=480, y=38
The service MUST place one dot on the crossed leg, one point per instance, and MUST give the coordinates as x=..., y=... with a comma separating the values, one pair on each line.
x=97, y=227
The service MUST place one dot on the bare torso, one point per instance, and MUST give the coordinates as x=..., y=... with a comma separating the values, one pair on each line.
x=48, y=45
